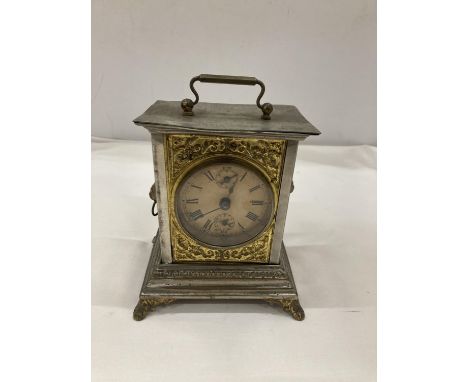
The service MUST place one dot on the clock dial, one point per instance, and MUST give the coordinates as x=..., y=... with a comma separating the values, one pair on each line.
x=224, y=203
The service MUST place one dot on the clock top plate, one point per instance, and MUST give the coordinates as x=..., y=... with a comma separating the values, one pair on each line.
x=218, y=118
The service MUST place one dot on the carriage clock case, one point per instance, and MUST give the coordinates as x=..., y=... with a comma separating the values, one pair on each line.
x=223, y=175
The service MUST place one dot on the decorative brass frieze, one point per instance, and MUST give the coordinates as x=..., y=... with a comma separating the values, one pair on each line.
x=279, y=274
x=183, y=152
x=186, y=249
x=266, y=153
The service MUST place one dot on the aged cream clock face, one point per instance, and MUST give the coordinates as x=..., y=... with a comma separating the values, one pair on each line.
x=224, y=203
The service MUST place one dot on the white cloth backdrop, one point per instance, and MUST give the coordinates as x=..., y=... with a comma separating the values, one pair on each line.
x=330, y=237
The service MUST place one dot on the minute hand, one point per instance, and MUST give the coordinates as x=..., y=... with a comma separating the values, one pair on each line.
x=209, y=212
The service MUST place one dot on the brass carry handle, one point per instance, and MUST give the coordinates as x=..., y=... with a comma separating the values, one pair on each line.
x=187, y=104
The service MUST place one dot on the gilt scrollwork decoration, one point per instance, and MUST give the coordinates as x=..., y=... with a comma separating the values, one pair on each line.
x=182, y=151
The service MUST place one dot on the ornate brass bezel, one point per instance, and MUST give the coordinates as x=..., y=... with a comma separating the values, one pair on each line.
x=183, y=153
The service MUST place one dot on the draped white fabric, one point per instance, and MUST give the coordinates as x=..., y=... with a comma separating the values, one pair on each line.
x=330, y=238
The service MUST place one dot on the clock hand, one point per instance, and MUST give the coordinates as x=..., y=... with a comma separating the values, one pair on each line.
x=209, y=212
x=227, y=179
x=231, y=189
x=224, y=204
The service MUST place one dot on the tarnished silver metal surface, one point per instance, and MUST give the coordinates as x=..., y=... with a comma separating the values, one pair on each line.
x=166, y=283
x=159, y=164
x=232, y=119
x=286, y=181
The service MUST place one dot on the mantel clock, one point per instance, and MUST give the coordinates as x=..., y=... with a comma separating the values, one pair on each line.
x=223, y=175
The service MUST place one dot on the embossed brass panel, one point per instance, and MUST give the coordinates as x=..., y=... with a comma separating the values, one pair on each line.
x=184, y=152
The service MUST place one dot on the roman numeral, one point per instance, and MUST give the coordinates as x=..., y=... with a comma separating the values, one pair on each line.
x=240, y=225
x=243, y=176
x=257, y=202
x=254, y=188
x=192, y=185
x=251, y=216
x=209, y=175
x=196, y=214
x=207, y=225
x=192, y=201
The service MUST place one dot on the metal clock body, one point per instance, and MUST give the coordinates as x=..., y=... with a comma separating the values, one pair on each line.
x=223, y=177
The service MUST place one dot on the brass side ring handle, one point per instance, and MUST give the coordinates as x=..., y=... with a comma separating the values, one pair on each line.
x=152, y=195
x=187, y=104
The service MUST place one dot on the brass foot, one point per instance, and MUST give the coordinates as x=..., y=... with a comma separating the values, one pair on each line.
x=291, y=306
x=140, y=311
x=148, y=305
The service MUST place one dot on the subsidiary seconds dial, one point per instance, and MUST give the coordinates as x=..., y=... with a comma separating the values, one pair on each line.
x=224, y=203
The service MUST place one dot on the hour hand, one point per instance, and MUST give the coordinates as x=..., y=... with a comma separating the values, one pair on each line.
x=224, y=178
x=195, y=215
x=209, y=212
x=231, y=189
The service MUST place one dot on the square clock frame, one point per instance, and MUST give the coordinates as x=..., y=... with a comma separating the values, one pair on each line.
x=223, y=175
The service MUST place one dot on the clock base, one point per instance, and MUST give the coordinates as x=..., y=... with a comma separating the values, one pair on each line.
x=167, y=283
